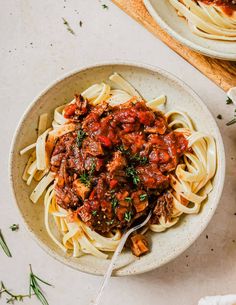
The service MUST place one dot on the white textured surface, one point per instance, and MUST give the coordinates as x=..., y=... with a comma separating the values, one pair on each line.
x=26, y=69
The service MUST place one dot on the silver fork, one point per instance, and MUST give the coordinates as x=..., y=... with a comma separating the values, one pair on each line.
x=115, y=256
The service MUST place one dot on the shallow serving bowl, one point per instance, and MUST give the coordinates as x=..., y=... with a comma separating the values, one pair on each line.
x=150, y=82
x=166, y=16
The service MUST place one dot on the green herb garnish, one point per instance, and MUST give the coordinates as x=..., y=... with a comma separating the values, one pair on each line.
x=14, y=227
x=123, y=150
x=114, y=202
x=128, y=216
x=34, y=285
x=94, y=213
x=4, y=245
x=140, y=159
x=85, y=179
x=93, y=167
x=229, y=101
x=80, y=137
x=105, y=6
x=132, y=173
x=143, y=197
x=80, y=23
x=233, y=121
x=128, y=199
x=69, y=29
x=12, y=297
x=219, y=116
x=110, y=222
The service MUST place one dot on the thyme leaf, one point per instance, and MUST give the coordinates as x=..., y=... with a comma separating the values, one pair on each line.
x=85, y=178
x=69, y=29
x=80, y=137
x=229, y=101
x=143, y=197
x=12, y=297
x=132, y=173
x=14, y=227
x=128, y=216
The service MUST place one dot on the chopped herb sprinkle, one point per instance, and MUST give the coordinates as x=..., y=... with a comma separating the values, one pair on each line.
x=14, y=227
x=143, y=197
x=80, y=23
x=69, y=29
x=105, y=6
x=132, y=173
x=128, y=216
x=128, y=199
x=80, y=137
x=219, y=116
x=229, y=101
x=94, y=213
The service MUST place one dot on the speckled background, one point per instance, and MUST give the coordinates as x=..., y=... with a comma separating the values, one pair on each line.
x=36, y=49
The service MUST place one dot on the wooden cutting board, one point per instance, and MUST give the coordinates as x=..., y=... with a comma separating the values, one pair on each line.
x=223, y=73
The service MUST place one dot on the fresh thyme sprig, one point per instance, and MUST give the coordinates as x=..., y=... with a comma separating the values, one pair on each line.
x=12, y=297
x=34, y=285
x=4, y=245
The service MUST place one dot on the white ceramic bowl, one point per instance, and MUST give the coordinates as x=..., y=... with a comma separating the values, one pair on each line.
x=151, y=82
x=166, y=16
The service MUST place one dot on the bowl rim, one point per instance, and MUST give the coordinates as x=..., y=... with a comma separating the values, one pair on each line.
x=101, y=64
x=192, y=45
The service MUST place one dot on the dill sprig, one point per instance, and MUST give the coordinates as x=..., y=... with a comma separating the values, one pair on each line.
x=4, y=245
x=34, y=285
x=12, y=297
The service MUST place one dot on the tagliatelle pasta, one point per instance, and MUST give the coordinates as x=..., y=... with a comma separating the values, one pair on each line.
x=209, y=19
x=184, y=169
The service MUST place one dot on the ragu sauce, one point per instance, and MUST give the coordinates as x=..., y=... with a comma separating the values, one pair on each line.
x=227, y=6
x=114, y=168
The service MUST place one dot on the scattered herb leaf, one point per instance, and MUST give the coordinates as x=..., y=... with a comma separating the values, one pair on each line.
x=105, y=6
x=143, y=197
x=128, y=199
x=94, y=213
x=93, y=167
x=4, y=245
x=80, y=137
x=34, y=285
x=85, y=179
x=233, y=121
x=114, y=201
x=14, y=227
x=80, y=23
x=219, y=116
x=140, y=159
x=132, y=173
x=69, y=29
x=128, y=216
x=12, y=297
x=229, y=101
x=110, y=222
